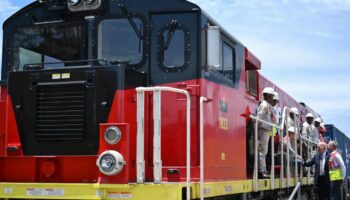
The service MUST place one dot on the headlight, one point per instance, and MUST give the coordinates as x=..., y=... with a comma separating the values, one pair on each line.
x=113, y=135
x=110, y=163
x=73, y=2
x=89, y=1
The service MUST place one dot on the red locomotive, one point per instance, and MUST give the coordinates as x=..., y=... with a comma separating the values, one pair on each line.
x=102, y=99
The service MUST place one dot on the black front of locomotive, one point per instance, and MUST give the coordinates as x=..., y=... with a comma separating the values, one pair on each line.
x=62, y=71
x=63, y=61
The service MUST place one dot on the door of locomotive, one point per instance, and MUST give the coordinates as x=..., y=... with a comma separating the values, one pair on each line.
x=173, y=63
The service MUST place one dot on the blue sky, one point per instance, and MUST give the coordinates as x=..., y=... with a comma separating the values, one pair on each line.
x=304, y=46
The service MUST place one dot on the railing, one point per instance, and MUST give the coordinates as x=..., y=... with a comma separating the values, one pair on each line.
x=201, y=130
x=157, y=162
x=297, y=187
x=282, y=128
x=255, y=175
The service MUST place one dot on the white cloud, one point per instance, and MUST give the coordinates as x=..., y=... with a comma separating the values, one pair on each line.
x=343, y=5
x=302, y=45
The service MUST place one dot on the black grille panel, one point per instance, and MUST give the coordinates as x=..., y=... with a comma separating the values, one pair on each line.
x=60, y=112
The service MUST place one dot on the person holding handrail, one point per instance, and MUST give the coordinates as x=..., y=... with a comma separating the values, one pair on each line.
x=264, y=113
x=337, y=171
x=288, y=142
x=321, y=176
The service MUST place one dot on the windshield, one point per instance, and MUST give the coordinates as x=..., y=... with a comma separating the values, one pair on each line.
x=47, y=44
x=118, y=40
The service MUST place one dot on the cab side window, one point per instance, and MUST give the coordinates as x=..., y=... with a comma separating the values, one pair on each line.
x=227, y=61
x=227, y=67
x=251, y=82
x=174, y=47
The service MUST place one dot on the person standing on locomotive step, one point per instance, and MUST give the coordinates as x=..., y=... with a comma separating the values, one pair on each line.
x=309, y=131
x=321, y=132
x=321, y=176
x=337, y=171
x=288, y=142
x=293, y=114
x=264, y=113
x=317, y=122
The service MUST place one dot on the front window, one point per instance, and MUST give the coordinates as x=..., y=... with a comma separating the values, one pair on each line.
x=54, y=43
x=118, y=40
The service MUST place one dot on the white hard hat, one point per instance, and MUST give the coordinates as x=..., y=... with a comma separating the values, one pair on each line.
x=268, y=90
x=294, y=110
x=276, y=96
x=322, y=125
x=291, y=129
x=310, y=115
x=319, y=120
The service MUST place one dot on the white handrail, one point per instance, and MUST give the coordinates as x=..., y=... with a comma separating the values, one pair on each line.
x=157, y=133
x=265, y=122
x=140, y=160
x=282, y=148
x=296, y=131
x=157, y=159
x=255, y=175
x=294, y=191
x=201, y=130
x=308, y=140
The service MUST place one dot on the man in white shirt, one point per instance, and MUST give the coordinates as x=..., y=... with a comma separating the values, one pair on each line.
x=309, y=130
x=264, y=113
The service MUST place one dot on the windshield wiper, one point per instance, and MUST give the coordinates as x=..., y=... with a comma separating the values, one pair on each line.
x=172, y=29
x=126, y=14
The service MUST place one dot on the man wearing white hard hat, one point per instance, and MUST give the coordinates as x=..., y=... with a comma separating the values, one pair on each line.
x=293, y=113
x=317, y=122
x=288, y=142
x=264, y=113
x=309, y=130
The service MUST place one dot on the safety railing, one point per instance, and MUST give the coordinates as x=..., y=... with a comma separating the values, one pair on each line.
x=282, y=129
x=201, y=130
x=296, y=189
x=157, y=162
x=255, y=175
x=308, y=142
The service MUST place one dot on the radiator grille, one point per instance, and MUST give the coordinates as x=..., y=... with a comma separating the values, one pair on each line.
x=60, y=112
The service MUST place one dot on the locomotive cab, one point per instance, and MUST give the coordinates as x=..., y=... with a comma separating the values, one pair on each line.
x=70, y=69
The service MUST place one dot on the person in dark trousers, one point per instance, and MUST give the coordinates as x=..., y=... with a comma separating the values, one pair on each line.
x=337, y=171
x=321, y=176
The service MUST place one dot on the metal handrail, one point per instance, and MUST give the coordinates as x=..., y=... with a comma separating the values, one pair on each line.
x=308, y=140
x=255, y=175
x=282, y=156
x=297, y=187
x=201, y=130
x=157, y=134
x=296, y=131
